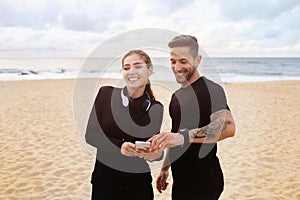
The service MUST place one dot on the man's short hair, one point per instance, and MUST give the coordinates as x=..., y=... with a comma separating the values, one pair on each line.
x=185, y=41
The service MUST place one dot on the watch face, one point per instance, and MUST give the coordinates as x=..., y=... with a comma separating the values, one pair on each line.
x=182, y=130
x=185, y=133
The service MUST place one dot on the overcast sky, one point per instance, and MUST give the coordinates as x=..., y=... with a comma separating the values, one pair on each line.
x=223, y=28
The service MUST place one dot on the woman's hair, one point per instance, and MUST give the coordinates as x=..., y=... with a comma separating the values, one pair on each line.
x=149, y=64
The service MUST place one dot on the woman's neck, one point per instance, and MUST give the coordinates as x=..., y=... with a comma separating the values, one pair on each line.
x=136, y=92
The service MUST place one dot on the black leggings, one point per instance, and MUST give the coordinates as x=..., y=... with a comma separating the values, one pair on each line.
x=186, y=192
x=100, y=192
x=183, y=196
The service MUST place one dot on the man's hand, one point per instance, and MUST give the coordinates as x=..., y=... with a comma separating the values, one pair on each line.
x=128, y=149
x=161, y=181
x=165, y=140
x=149, y=155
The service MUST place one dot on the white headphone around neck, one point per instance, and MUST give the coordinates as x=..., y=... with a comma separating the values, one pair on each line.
x=125, y=99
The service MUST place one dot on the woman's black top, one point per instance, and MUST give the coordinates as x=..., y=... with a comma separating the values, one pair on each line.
x=110, y=125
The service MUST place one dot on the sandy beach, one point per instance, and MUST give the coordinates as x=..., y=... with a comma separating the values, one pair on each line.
x=43, y=155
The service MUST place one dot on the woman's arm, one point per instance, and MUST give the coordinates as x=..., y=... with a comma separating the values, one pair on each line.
x=95, y=135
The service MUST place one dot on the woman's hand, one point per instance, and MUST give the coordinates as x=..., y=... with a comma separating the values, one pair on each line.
x=128, y=149
x=150, y=156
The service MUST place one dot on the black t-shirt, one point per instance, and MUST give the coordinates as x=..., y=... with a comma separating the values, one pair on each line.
x=196, y=168
x=110, y=125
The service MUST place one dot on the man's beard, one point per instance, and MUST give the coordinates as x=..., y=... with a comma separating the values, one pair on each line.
x=187, y=78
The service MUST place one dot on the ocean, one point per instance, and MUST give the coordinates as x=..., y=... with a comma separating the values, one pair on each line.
x=235, y=69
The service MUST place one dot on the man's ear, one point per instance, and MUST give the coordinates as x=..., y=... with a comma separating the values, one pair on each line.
x=198, y=60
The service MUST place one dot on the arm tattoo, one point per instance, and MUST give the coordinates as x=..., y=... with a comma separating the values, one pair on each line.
x=213, y=129
x=194, y=133
x=209, y=131
x=226, y=124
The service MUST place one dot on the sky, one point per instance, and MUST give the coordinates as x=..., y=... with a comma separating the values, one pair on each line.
x=229, y=28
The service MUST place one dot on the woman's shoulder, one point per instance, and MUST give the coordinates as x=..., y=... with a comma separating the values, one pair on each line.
x=105, y=92
x=155, y=102
x=108, y=89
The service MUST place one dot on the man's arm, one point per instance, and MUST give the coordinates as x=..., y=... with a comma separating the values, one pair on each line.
x=221, y=126
x=161, y=181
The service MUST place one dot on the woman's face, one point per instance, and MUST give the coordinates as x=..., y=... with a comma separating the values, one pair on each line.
x=135, y=72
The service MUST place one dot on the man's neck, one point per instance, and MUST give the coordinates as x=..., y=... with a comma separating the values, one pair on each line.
x=193, y=79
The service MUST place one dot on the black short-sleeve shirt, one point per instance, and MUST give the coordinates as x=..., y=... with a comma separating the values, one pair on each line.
x=196, y=168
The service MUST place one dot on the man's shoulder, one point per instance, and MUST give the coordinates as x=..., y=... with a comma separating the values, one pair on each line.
x=211, y=85
x=211, y=82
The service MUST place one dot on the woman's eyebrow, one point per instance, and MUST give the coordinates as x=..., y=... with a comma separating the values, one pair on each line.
x=138, y=63
x=135, y=63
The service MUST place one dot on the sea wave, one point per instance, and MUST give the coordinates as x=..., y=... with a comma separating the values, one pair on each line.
x=219, y=69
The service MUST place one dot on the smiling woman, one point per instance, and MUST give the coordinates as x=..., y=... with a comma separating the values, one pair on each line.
x=119, y=118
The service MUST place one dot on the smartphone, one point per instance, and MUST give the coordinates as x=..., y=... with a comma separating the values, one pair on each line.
x=142, y=145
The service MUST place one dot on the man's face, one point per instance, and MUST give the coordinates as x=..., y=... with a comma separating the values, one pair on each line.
x=183, y=64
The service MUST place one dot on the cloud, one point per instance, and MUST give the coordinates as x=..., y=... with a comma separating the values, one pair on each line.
x=94, y=16
x=224, y=28
x=234, y=10
x=23, y=14
x=18, y=41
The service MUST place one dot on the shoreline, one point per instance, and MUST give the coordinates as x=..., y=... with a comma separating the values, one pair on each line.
x=114, y=79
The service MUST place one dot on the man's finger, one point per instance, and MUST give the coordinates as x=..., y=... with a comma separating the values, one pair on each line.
x=158, y=142
x=165, y=186
x=158, y=184
x=153, y=144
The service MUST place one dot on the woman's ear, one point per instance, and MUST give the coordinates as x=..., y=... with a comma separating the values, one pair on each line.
x=150, y=70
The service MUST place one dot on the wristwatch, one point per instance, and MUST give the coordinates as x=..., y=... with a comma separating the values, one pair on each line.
x=185, y=133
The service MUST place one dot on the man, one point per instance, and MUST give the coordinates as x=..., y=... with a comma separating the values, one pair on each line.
x=200, y=118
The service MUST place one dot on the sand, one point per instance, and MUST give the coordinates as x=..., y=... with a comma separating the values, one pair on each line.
x=43, y=155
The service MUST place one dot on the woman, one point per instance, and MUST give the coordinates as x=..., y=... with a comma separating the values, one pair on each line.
x=121, y=116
